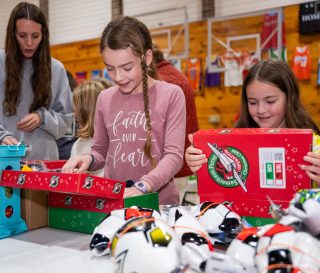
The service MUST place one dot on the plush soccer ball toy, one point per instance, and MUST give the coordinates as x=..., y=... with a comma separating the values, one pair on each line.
x=221, y=223
x=282, y=249
x=243, y=248
x=145, y=245
x=306, y=206
x=196, y=244
x=104, y=232
x=239, y=257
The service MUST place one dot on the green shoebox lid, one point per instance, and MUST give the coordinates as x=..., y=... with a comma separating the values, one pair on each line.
x=257, y=221
x=149, y=200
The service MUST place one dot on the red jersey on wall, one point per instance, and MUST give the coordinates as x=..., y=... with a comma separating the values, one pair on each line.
x=270, y=23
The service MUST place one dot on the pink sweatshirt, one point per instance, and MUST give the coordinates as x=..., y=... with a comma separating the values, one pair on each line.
x=121, y=130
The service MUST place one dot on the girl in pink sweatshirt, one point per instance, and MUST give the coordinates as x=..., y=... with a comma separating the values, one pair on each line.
x=140, y=122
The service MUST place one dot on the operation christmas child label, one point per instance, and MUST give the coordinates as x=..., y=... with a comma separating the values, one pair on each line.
x=247, y=165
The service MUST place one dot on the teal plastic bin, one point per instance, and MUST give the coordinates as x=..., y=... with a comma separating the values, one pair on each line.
x=11, y=222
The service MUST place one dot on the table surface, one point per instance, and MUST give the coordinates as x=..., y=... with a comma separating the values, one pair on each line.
x=47, y=250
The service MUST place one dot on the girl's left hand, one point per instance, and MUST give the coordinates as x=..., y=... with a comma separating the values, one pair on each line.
x=313, y=170
x=29, y=122
x=132, y=191
x=9, y=140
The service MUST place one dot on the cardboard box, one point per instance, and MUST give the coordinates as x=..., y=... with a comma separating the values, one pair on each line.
x=34, y=208
x=247, y=165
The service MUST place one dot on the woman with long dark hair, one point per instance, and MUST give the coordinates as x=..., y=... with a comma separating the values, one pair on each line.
x=34, y=90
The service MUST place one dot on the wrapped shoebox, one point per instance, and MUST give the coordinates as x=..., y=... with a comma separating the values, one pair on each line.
x=76, y=202
x=247, y=166
x=83, y=213
x=79, y=212
x=85, y=184
x=84, y=189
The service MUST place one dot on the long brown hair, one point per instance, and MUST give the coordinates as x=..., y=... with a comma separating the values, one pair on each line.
x=41, y=60
x=84, y=105
x=130, y=32
x=279, y=74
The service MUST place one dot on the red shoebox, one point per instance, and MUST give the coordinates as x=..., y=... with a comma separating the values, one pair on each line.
x=84, y=184
x=247, y=165
x=83, y=202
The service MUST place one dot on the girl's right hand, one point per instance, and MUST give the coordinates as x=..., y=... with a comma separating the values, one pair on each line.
x=77, y=164
x=194, y=157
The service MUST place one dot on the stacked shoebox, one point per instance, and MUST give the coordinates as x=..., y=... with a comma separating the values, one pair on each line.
x=76, y=202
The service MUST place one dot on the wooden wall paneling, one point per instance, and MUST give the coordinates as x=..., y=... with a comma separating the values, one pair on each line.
x=79, y=56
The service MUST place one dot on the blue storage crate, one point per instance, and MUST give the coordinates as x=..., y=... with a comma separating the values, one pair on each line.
x=11, y=222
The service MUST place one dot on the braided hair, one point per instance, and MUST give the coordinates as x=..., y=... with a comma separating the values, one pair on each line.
x=127, y=32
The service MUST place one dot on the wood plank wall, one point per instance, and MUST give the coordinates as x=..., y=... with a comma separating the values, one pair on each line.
x=85, y=56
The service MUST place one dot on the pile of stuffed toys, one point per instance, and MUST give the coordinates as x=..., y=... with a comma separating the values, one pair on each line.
x=210, y=237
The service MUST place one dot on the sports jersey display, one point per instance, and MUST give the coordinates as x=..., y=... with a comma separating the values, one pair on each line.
x=212, y=79
x=301, y=65
x=233, y=73
x=270, y=23
x=194, y=73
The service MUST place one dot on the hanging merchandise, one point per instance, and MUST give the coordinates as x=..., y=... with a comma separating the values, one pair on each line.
x=302, y=63
x=270, y=24
x=81, y=77
x=233, y=72
x=105, y=74
x=212, y=79
x=309, y=17
x=177, y=64
x=95, y=73
x=273, y=54
x=247, y=61
x=194, y=73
